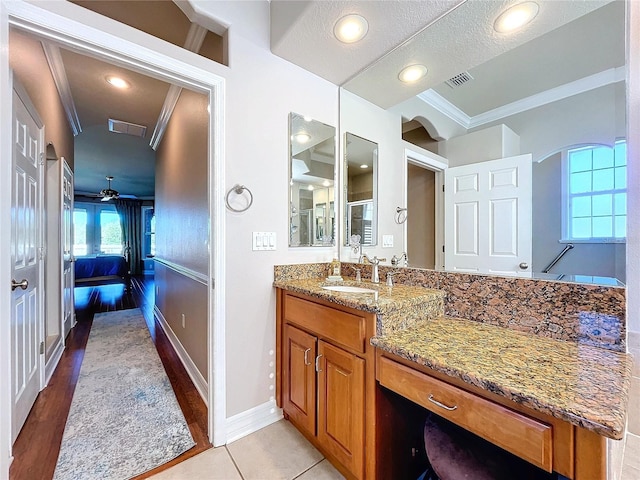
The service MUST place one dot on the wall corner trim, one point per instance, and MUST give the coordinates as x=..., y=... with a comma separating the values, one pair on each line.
x=252, y=420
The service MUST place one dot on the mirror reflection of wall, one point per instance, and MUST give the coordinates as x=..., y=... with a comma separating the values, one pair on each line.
x=361, y=164
x=312, y=178
x=575, y=96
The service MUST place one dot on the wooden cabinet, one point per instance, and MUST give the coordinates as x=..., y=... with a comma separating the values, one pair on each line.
x=341, y=401
x=326, y=371
x=299, y=378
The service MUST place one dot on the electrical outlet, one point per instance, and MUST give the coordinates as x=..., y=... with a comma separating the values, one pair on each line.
x=183, y=321
x=387, y=241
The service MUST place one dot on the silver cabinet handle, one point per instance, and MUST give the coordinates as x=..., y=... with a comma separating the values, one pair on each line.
x=442, y=405
x=524, y=265
x=306, y=356
x=318, y=363
x=24, y=284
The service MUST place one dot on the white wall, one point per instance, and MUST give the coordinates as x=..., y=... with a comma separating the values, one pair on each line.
x=383, y=127
x=262, y=90
x=490, y=143
x=633, y=169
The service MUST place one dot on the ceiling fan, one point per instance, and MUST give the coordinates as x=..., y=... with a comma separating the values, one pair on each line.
x=108, y=193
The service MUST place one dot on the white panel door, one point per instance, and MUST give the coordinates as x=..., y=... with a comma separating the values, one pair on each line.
x=488, y=217
x=68, y=279
x=26, y=299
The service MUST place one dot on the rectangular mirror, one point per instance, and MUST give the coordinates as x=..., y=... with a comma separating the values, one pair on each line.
x=361, y=181
x=312, y=147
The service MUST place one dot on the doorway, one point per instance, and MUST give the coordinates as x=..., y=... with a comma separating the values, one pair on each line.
x=100, y=43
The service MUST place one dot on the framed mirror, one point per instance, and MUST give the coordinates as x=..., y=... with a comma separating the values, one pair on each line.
x=312, y=173
x=361, y=184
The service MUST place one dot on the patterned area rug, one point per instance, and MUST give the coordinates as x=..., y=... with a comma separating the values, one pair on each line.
x=124, y=418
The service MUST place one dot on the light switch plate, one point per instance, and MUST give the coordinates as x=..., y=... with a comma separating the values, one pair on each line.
x=387, y=241
x=264, y=241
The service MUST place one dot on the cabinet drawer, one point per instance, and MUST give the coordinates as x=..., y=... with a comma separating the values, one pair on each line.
x=336, y=325
x=523, y=436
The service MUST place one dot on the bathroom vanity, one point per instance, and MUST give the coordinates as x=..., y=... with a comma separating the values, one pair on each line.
x=346, y=357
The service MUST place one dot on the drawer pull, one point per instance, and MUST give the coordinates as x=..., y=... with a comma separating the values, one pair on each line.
x=306, y=356
x=442, y=405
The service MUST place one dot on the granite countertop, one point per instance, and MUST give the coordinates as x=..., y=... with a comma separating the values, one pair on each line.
x=385, y=301
x=584, y=385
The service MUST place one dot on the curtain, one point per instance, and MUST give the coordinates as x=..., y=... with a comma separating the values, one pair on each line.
x=130, y=212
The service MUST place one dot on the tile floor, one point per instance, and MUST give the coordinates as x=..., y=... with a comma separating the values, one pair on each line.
x=631, y=459
x=280, y=452
x=277, y=452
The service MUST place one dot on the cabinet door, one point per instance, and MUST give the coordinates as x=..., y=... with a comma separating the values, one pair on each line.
x=299, y=378
x=341, y=406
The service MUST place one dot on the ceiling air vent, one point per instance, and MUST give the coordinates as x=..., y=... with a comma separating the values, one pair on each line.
x=459, y=79
x=118, y=126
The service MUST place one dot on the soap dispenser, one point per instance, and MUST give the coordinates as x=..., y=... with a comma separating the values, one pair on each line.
x=334, y=271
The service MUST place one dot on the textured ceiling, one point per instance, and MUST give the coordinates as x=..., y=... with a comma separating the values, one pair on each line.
x=302, y=32
x=458, y=36
x=586, y=46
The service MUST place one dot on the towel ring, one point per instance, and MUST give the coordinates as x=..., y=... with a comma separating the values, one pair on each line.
x=238, y=190
x=401, y=215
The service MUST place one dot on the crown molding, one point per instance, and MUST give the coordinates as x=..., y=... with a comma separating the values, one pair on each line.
x=194, y=41
x=168, y=106
x=597, y=80
x=59, y=74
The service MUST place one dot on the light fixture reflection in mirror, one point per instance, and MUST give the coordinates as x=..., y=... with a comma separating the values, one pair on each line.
x=361, y=165
x=311, y=182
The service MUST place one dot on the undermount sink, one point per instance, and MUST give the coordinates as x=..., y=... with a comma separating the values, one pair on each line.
x=349, y=289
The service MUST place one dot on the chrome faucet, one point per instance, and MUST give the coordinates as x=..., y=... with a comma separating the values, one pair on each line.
x=395, y=260
x=375, y=261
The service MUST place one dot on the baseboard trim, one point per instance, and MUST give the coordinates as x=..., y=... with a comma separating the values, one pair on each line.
x=249, y=421
x=51, y=365
x=193, y=372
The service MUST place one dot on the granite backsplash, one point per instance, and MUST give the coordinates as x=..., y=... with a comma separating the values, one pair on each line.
x=587, y=314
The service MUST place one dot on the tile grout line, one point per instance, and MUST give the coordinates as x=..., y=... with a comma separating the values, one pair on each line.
x=234, y=462
x=312, y=466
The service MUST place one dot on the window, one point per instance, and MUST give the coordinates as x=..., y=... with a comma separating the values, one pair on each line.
x=596, y=193
x=96, y=230
x=149, y=230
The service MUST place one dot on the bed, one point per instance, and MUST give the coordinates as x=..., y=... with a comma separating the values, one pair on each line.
x=102, y=269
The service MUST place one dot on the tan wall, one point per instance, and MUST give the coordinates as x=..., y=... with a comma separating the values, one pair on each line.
x=182, y=223
x=421, y=218
x=178, y=295
x=30, y=67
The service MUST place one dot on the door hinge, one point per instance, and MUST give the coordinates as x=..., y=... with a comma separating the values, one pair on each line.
x=42, y=158
x=442, y=248
x=213, y=283
x=41, y=348
x=443, y=187
x=41, y=252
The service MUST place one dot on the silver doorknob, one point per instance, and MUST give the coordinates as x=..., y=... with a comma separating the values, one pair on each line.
x=524, y=265
x=23, y=284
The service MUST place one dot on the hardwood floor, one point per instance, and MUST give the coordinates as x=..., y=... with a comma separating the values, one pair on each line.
x=36, y=448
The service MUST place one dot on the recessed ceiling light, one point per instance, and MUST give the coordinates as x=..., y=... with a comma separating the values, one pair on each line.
x=364, y=165
x=302, y=137
x=412, y=73
x=307, y=119
x=326, y=183
x=310, y=188
x=515, y=17
x=117, y=82
x=351, y=28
